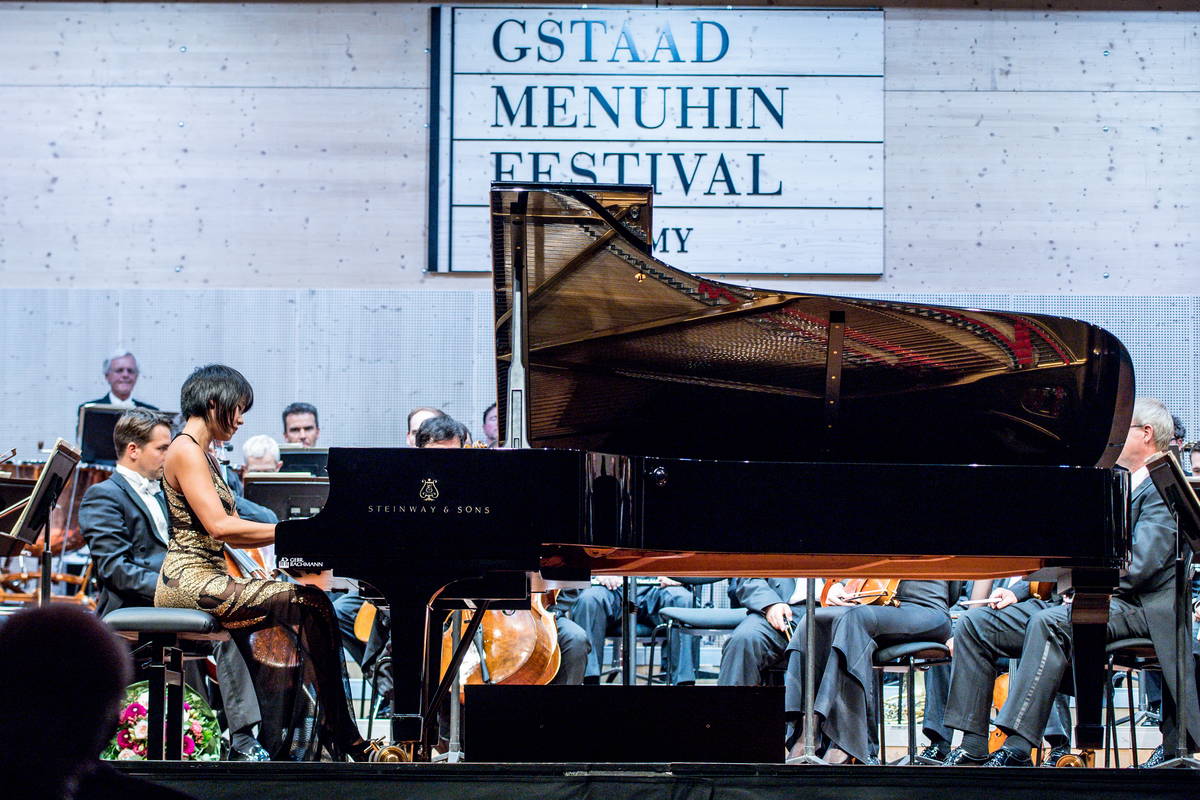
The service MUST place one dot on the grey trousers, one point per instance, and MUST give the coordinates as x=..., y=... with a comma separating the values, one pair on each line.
x=1041, y=638
x=597, y=607
x=937, y=690
x=753, y=647
x=846, y=640
x=574, y=647
x=237, y=688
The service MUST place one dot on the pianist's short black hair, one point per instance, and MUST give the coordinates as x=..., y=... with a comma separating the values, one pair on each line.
x=301, y=408
x=218, y=388
x=441, y=429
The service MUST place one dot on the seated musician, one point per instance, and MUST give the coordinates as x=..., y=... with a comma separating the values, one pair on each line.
x=1142, y=607
x=306, y=715
x=261, y=454
x=417, y=416
x=847, y=635
x=491, y=426
x=998, y=594
x=599, y=606
x=121, y=372
x=301, y=424
x=124, y=521
x=760, y=640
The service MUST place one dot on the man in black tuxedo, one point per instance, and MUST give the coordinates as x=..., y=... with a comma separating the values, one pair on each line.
x=121, y=372
x=1143, y=607
x=126, y=525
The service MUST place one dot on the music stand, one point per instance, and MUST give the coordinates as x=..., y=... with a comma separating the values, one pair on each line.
x=312, y=460
x=94, y=432
x=35, y=516
x=290, y=495
x=1172, y=484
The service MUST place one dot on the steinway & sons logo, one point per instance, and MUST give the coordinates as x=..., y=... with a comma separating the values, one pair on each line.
x=428, y=493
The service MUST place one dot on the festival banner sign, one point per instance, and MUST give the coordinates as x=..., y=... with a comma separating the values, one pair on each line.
x=760, y=130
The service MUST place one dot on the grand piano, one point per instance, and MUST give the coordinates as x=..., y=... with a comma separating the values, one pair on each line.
x=660, y=423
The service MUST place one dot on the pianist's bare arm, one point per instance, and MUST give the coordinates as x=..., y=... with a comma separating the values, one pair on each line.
x=187, y=468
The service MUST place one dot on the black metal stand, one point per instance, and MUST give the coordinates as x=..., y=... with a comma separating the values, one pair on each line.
x=1171, y=483
x=810, y=677
x=47, y=572
x=628, y=632
x=1183, y=651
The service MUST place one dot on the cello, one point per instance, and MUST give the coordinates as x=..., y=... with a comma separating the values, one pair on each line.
x=510, y=647
x=866, y=591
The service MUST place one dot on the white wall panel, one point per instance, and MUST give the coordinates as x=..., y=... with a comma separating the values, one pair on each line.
x=1042, y=50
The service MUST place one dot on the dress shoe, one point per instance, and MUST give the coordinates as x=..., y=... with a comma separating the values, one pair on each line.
x=1007, y=758
x=932, y=752
x=251, y=752
x=1154, y=760
x=961, y=758
x=868, y=761
x=1051, y=758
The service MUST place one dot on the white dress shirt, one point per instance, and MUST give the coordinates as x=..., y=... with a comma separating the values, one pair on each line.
x=126, y=403
x=149, y=492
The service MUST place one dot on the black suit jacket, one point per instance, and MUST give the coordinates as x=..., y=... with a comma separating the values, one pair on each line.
x=125, y=548
x=759, y=594
x=107, y=400
x=1150, y=583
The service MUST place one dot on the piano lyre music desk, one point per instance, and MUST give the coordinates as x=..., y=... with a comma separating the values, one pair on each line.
x=666, y=424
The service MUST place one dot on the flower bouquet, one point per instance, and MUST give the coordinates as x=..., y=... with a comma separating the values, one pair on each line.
x=201, y=731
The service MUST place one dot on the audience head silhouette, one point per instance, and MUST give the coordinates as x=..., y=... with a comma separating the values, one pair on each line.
x=61, y=682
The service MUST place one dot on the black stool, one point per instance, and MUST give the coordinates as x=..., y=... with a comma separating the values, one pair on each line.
x=1128, y=655
x=908, y=658
x=158, y=633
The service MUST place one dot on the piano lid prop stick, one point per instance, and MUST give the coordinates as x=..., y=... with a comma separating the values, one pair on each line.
x=516, y=427
x=833, y=377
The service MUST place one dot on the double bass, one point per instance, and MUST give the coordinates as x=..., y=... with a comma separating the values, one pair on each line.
x=509, y=647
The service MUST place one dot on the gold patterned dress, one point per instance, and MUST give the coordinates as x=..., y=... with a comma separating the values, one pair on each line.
x=286, y=631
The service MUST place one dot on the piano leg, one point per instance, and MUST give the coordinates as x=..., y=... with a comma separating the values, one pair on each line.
x=408, y=665
x=1089, y=635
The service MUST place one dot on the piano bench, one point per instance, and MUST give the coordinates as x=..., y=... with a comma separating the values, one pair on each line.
x=908, y=658
x=1128, y=656
x=159, y=634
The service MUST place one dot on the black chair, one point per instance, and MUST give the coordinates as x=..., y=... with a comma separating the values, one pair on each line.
x=907, y=658
x=161, y=636
x=1128, y=656
x=702, y=622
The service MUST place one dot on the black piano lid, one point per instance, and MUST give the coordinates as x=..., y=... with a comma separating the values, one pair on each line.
x=630, y=355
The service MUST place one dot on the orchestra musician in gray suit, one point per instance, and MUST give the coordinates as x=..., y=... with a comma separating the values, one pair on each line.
x=124, y=520
x=1143, y=607
x=773, y=606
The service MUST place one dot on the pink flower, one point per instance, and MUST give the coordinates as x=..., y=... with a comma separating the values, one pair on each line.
x=140, y=749
x=187, y=706
x=197, y=728
x=141, y=730
x=189, y=745
x=124, y=739
x=127, y=755
x=132, y=711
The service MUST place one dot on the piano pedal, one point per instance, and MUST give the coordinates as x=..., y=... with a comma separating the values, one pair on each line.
x=1084, y=758
x=393, y=753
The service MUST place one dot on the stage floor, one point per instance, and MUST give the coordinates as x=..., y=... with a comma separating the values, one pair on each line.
x=659, y=782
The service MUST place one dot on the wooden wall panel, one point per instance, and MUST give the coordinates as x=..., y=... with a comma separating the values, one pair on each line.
x=1040, y=50
x=302, y=156
x=213, y=187
x=1025, y=192
x=204, y=44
